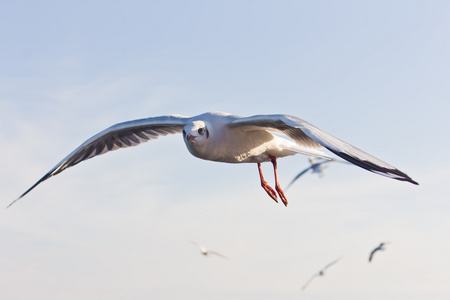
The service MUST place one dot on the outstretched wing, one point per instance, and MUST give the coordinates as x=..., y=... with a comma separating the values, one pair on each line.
x=330, y=264
x=314, y=165
x=121, y=135
x=308, y=135
x=309, y=281
x=372, y=253
x=298, y=176
x=200, y=247
x=380, y=247
x=217, y=254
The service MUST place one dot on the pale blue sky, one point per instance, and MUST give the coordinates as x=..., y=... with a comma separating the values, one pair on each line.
x=375, y=74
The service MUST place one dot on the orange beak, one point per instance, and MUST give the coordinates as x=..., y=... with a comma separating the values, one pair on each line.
x=190, y=137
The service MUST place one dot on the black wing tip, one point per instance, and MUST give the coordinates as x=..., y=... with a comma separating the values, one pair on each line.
x=408, y=179
x=20, y=197
x=48, y=175
x=13, y=202
x=391, y=173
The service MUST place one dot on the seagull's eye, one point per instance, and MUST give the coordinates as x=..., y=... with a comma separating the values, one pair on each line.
x=200, y=130
x=184, y=133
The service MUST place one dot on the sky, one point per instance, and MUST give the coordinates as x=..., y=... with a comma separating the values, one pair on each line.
x=372, y=73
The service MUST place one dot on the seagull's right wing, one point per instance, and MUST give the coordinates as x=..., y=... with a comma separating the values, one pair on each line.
x=121, y=135
x=330, y=264
x=307, y=135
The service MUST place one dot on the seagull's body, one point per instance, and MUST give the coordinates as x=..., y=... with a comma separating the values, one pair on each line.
x=320, y=273
x=206, y=252
x=228, y=138
x=379, y=248
x=317, y=167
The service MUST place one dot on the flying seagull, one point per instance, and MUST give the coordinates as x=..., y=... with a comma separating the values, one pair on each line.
x=379, y=248
x=208, y=252
x=320, y=273
x=228, y=138
x=316, y=167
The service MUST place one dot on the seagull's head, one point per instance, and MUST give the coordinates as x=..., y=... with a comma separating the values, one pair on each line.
x=195, y=135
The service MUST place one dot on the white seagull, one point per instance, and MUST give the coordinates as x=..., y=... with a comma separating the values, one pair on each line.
x=379, y=248
x=316, y=167
x=208, y=252
x=320, y=273
x=228, y=138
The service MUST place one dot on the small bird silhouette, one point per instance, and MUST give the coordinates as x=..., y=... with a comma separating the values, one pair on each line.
x=206, y=252
x=320, y=273
x=379, y=248
x=316, y=167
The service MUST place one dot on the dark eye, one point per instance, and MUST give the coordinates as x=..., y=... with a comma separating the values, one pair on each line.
x=184, y=133
x=200, y=130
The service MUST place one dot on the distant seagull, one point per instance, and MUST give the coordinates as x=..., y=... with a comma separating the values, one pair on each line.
x=316, y=167
x=228, y=138
x=379, y=248
x=320, y=273
x=208, y=252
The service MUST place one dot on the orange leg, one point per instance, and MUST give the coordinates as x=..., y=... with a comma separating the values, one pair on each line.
x=265, y=186
x=277, y=184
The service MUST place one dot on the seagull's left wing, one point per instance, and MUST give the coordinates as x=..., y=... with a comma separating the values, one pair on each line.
x=121, y=135
x=200, y=247
x=308, y=135
x=372, y=253
x=309, y=281
x=298, y=176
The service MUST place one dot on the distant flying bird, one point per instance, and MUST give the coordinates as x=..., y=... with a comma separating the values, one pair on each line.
x=320, y=273
x=316, y=167
x=208, y=252
x=228, y=138
x=379, y=248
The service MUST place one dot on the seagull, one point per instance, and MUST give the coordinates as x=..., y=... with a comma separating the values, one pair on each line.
x=379, y=248
x=320, y=273
x=207, y=252
x=316, y=167
x=227, y=138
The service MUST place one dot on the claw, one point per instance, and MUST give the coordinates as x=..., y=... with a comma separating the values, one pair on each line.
x=269, y=191
x=281, y=193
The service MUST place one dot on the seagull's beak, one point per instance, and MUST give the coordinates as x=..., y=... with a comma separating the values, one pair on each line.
x=190, y=137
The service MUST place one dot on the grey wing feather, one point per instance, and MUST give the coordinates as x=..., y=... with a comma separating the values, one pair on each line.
x=307, y=134
x=121, y=135
x=278, y=124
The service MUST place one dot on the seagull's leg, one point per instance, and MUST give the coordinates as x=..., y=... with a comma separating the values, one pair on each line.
x=265, y=186
x=273, y=159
